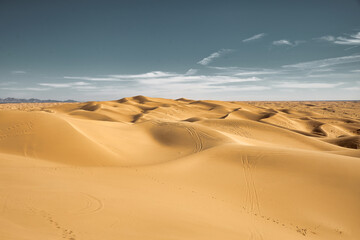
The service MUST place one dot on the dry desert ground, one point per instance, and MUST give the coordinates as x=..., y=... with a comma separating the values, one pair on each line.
x=151, y=168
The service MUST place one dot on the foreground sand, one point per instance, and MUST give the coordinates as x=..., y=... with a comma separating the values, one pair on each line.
x=148, y=168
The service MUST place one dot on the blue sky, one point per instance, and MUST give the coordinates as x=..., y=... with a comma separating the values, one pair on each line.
x=226, y=50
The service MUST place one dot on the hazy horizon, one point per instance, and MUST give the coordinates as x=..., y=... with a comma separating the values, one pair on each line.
x=228, y=50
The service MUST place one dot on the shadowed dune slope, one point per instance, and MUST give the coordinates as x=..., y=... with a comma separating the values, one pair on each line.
x=152, y=168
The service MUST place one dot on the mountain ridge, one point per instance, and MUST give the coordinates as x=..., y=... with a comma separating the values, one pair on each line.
x=30, y=100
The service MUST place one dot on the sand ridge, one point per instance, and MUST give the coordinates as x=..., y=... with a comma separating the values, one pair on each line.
x=152, y=168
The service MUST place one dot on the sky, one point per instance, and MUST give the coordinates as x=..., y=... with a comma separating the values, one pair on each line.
x=225, y=50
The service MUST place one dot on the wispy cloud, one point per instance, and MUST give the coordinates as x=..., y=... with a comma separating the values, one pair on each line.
x=191, y=71
x=25, y=89
x=153, y=74
x=253, y=88
x=239, y=86
x=91, y=78
x=85, y=88
x=231, y=79
x=255, y=37
x=252, y=73
x=352, y=39
x=157, y=78
x=160, y=81
x=307, y=85
x=325, y=62
x=328, y=38
x=352, y=88
x=64, y=85
x=282, y=42
x=209, y=59
x=7, y=83
x=316, y=70
x=220, y=80
x=124, y=77
x=192, y=79
x=232, y=86
x=18, y=72
x=239, y=71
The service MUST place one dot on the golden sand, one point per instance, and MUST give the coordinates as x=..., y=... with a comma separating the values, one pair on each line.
x=151, y=168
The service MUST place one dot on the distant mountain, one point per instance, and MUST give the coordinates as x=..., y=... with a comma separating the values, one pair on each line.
x=31, y=100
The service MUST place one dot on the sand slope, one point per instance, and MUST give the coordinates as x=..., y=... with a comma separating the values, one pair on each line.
x=150, y=168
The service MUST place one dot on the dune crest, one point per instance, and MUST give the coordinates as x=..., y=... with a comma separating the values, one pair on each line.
x=153, y=168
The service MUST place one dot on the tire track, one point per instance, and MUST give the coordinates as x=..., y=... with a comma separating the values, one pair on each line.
x=197, y=139
x=251, y=207
x=91, y=202
x=251, y=196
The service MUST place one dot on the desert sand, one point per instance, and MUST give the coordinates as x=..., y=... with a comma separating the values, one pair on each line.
x=151, y=168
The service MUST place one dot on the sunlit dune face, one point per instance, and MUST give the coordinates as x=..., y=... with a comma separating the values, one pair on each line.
x=152, y=168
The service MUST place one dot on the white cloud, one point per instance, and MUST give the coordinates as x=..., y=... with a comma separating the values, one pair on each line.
x=127, y=77
x=165, y=80
x=239, y=71
x=328, y=38
x=354, y=39
x=332, y=75
x=91, y=78
x=180, y=84
x=307, y=85
x=63, y=85
x=18, y=72
x=252, y=88
x=153, y=74
x=321, y=70
x=222, y=80
x=352, y=88
x=252, y=73
x=191, y=71
x=347, y=49
x=325, y=62
x=356, y=71
x=209, y=59
x=84, y=88
x=230, y=79
x=282, y=42
x=202, y=79
x=255, y=37
x=223, y=68
x=7, y=83
x=26, y=89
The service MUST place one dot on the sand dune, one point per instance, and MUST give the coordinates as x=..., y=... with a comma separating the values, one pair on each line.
x=152, y=168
